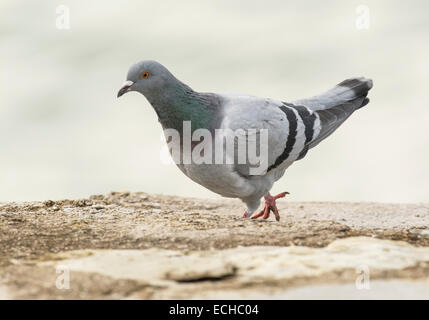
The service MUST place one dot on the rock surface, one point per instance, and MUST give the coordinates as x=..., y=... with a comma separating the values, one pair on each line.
x=139, y=246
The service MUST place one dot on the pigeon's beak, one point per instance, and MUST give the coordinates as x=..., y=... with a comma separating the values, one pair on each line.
x=125, y=87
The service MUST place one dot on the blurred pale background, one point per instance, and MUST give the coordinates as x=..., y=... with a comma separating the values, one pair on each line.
x=63, y=133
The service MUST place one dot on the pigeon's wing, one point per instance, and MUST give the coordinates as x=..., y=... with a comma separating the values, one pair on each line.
x=292, y=128
x=278, y=132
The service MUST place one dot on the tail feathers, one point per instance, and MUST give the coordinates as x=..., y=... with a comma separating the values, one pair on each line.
x=351, y=89
x=346, y=91
x=336, y=105
x=364, y=103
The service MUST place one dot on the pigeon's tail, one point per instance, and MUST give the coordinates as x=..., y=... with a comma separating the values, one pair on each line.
x=346, y=91
x=352, y=89
x=337, y=104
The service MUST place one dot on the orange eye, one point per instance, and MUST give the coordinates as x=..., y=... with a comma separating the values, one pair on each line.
x=145, y=75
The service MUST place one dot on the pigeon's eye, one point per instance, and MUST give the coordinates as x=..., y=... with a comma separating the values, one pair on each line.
x=145, y=75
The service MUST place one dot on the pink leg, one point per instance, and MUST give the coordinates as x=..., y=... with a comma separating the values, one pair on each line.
x=270, y=205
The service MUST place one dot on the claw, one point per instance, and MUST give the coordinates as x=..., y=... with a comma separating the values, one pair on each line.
x=270, y=205
x=276, y=213
x=281, y=195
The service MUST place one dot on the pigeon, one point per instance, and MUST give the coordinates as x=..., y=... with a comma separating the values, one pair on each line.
x=292, y=128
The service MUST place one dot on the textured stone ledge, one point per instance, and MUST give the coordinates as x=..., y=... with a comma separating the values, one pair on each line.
x=135, y=245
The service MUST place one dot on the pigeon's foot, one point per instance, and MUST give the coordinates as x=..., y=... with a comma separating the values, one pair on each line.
x=246, y=215
x=270, y=205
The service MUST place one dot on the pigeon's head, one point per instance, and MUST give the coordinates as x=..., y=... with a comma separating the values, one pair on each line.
x=147, y=77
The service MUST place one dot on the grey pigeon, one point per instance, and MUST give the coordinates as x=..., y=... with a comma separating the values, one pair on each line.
x=293, y=127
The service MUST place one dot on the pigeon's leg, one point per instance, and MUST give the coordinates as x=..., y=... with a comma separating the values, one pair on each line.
x=264, y=212
x=270, y=205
